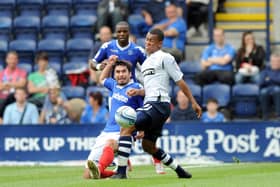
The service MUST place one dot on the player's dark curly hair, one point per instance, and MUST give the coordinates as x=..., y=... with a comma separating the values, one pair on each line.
x=157, y=32
x=123, y=63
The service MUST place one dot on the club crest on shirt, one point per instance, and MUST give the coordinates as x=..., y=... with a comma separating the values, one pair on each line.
x=114, y=50
x=149, y=71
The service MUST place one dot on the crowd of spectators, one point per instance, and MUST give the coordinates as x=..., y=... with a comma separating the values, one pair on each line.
x=37, y=96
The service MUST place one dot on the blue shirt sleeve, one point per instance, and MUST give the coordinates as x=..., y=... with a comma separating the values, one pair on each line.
x=85, y=115
x=102, y=53
x=6, y=118
x=206, y=53
x=141, y=55
x=109, y=83
x=231, y=51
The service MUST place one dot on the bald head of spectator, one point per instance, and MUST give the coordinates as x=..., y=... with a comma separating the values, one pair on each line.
x=219, y=36
x=105, y=34
x=12, y=60
x=171, y=11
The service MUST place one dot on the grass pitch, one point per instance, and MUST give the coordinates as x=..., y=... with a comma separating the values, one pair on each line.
x=235, y=175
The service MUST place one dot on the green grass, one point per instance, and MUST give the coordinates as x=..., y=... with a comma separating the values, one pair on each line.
x=236, y=175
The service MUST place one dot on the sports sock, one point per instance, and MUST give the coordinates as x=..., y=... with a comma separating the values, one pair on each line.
x=156, y=161
x=106, y=158
x=124, y=150
x=107, y=173
x=166, y=159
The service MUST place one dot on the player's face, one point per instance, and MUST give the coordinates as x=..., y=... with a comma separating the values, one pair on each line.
x=122, y=32
x=122, y=75
x=152, y=43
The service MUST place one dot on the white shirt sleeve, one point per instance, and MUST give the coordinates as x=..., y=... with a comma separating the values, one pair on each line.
x=172, y=68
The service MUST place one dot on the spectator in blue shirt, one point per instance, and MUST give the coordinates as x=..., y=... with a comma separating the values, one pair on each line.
x=216, y=61
x=21, y=111
x=95, y=112
x=270, y=87
x=212, y=114
x=174, y=29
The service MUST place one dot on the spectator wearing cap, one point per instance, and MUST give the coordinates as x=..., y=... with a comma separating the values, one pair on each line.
x=21, y=111
x=95, y=112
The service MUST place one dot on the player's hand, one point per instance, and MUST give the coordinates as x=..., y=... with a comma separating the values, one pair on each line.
x=140, y=135
x=113, y=59
x=197, y=109
x=132, y=92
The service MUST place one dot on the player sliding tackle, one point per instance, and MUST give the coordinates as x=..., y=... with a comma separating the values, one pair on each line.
x=106, y=142
x=157, y=70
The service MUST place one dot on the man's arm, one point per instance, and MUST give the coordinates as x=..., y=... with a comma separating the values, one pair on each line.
x=220, y=60
x=171, y=32
x=186, y=90
x=108, y=68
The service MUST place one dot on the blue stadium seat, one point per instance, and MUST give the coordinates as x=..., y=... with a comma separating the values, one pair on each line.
x=30, y=7
x=221, y=92
x=137, y=5
x=26, y=67
x=26, y=27
x=58, y=7
x=55, y=27
x=190, y=69
x=141, y=42
x=1, y=67
x=25, y=49
x=245, y=99
x=5, y=27
x=3, y=51
x=85, y=7
x=78, y=49
x=73, y=92
x=82, y=26
x=136, y=21
x=7, y=7
x=77, y=67
x=54, y=47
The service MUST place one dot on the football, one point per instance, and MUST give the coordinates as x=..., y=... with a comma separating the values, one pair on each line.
x=125, y=116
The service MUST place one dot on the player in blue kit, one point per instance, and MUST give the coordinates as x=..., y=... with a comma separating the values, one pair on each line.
x=107, y=142
x=122, y=48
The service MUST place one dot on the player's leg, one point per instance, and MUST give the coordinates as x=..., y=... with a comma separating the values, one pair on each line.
x=149, y=146
x=124, y=150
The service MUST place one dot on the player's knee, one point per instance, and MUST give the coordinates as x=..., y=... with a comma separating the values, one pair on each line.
x=111, y=143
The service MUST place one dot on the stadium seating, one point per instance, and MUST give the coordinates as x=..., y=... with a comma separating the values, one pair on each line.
x=26, y=27
x=55, y=27
x=81, y=26
x=30, y=7
x=245, y=99
x=221, y=92
x=26, y=67
x=195, y=89
x=5, y=27
x=25, y=49
x=3, y=50
x=73, y=92
x=58, y=7
x=78, y=49
x=54, y=47
x=135, y=21
x=85, y=7
x=7, y=7
x=141, y=42
x=190, y=69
